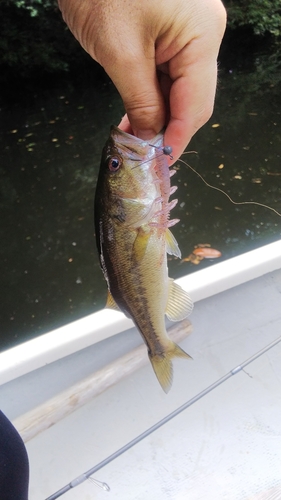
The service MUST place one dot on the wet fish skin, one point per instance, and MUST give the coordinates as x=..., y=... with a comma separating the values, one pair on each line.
x=132, y=244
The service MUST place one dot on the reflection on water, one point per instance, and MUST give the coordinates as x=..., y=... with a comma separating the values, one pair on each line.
x=50, y=151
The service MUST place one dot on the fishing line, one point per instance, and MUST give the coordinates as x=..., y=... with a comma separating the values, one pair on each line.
x=227, y=195
x=165, y=150
x=155, y=427
x=140, y=163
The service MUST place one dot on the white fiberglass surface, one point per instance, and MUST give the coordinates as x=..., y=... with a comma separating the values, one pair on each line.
x=226, y=446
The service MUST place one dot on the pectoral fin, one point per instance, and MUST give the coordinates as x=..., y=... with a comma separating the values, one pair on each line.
x=179, y=304
x=140, y=245
x=172, y=247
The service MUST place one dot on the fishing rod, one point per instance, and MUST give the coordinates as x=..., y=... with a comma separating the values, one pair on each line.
x=87, y=475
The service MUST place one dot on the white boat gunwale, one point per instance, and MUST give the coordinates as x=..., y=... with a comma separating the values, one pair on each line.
x=98, y=326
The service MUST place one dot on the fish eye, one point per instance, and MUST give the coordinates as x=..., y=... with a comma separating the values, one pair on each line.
x=114, y=163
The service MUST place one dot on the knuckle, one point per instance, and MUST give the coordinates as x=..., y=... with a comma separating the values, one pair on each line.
x=142, y=112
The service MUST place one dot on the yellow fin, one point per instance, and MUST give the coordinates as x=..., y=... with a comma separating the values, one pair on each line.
x=110, y=302
x=163, y=367
x=179, y=304
x=140, y=244
x=172, y=247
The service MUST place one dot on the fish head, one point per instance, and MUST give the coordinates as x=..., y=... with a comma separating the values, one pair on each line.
x=134, y=159
x=127, y=179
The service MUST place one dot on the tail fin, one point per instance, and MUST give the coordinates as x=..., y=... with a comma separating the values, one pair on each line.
x=163, y=367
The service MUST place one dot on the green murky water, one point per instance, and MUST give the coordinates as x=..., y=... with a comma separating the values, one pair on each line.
x=50, y=150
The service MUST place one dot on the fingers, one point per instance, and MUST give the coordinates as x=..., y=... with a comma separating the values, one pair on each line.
x=125, y=125
x=161, y=56
x=193, y=71
x=137, y=83
x=191, y=105
x=187, y=78
x=191, y=100
x=120, y=38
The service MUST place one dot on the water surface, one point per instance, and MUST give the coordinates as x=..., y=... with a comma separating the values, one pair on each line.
x=50, y=151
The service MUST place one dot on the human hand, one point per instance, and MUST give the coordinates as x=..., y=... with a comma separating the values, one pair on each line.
x=160, y=54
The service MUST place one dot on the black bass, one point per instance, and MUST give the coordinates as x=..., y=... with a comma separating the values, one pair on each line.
x=133, y=236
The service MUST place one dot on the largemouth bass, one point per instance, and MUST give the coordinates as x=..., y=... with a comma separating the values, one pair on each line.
x=133, y=236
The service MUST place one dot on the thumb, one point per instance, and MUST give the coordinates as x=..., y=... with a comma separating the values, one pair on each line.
x=136, y=80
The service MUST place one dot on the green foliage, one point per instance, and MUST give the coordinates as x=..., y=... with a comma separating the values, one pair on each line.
x=34, y=6
x=263, y=15
x=34, y=39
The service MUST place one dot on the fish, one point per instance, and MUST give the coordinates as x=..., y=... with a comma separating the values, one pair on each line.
x=132, y=220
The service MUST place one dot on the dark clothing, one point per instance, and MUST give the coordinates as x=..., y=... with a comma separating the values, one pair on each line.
x=14, y=467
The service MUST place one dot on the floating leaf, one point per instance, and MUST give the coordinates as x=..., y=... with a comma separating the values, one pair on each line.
x=257, y=180
x=206, y=253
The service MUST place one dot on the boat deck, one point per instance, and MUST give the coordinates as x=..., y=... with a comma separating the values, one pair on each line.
x=225, y=446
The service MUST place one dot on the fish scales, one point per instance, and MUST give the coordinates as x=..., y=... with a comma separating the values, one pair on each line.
x=133, y=238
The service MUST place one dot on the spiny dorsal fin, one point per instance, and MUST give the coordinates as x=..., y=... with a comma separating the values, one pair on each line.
x=172, y=247
x=179, y=304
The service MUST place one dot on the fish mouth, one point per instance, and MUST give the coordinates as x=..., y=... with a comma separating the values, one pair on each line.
x=130, y=143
